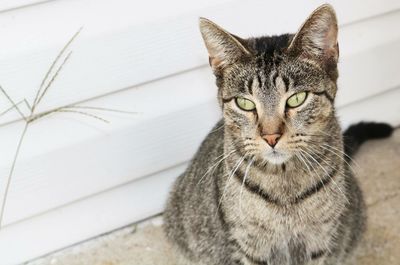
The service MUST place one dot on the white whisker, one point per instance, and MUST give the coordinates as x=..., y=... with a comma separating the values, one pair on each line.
x=244, y=181
x=343, y=153
x=326, y=172
x=214, y=166
x=315, y=171
x=229, y=179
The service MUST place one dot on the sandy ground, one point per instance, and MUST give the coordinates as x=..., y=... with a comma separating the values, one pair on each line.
x=377, y=167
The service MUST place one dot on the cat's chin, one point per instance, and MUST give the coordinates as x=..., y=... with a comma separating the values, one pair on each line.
x=276, y=157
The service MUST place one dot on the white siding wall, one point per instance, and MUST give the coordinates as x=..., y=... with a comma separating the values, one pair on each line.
x=77, y=177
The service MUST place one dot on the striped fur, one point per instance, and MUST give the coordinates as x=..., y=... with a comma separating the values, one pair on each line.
x=244, y=202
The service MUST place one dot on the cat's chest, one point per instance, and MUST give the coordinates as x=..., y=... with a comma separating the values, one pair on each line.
x=276, y=227
x=278, y=239
x=265, y=230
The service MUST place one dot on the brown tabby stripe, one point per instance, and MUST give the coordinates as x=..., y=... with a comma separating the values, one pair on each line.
x=324, y=93
x=274, y=76
x=250, y=86
x=221, y=214
x=259, y=80
x=286, y=82
x=252, y=259
x=317, y=254
x=226, y=100
x=255, y=261
x=256, y=189
x=317, y=187
x=314, y=255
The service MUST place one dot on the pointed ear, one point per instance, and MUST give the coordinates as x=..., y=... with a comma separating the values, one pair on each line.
x=223, y=47
x=317, y=37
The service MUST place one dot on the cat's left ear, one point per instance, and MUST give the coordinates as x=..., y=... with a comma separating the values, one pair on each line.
x=317, y=38
x=223, y=48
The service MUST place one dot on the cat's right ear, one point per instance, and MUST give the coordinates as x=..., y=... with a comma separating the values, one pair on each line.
x=223, y=47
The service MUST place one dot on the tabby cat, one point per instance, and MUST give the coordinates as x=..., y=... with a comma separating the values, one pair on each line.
x=271, y=183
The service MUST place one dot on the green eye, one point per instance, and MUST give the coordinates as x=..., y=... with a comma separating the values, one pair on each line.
x=297, y=99
x=245, y=104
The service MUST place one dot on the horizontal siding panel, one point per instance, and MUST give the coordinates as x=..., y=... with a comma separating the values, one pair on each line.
x=369, y=59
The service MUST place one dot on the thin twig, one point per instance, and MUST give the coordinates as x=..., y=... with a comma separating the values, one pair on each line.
x=27, y=104
x=100, y=108
x=52, y=80
x=11, y=108
x=43, y=89
x=35, y=117
x=64, y=109
x=39, y=96
x=35, y=101
x=8, y=180
x=14, y=105
x=85, y=114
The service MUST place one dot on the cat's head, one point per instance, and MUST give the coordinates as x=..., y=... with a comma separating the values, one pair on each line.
x=276, y=93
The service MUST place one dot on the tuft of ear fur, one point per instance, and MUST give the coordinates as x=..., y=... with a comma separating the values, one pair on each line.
x=223, y=47
x=317, y=37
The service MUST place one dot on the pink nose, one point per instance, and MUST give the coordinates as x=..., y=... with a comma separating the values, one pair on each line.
x=272, y=139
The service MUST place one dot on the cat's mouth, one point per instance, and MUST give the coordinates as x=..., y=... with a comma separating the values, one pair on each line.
x=276, y=157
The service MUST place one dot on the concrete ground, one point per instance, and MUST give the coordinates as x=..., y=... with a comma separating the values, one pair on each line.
x=377, y=168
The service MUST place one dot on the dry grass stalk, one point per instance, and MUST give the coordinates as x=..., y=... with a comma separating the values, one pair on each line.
x=45, y=85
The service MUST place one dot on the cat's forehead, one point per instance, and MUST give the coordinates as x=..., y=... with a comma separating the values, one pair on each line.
x=277, y=75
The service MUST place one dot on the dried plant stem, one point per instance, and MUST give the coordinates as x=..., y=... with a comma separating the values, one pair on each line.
x=14, y=105
x=39, y=96
x=71, y=109
x=100, y=108
x=41, y=92
x=38, y=93
x=8, y=180
x=51, y=81
x=85, y=114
